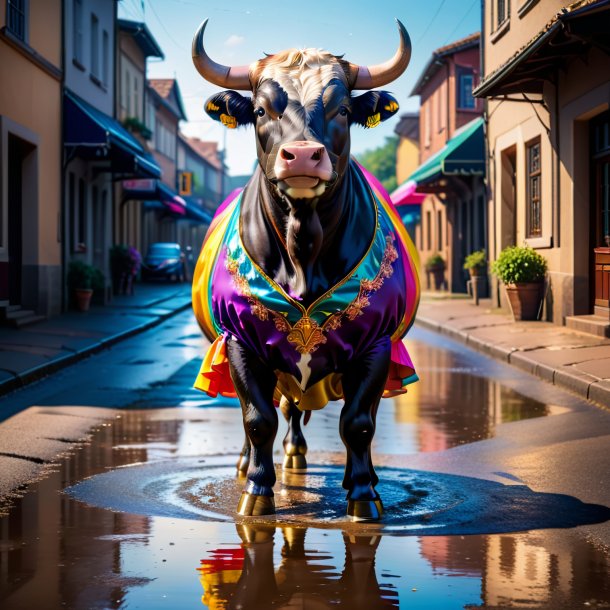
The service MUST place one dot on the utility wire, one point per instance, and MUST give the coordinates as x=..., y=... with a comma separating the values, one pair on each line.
x=438, y=10
x=455, y=29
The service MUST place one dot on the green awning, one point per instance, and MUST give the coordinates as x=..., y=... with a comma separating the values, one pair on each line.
x=463, y=155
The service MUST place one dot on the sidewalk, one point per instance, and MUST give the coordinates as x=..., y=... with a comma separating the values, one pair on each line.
x=29, y=353
x=576, y=361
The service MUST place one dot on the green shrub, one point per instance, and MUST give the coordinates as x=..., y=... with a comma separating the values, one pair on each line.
x=476, y=260
x=518, y=264
x=80, y=275
x=435, y=261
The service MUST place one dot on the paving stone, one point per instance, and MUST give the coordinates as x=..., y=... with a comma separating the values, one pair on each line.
x=596, y=368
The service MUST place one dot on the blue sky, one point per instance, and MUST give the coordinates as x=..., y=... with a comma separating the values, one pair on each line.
x=240, y=31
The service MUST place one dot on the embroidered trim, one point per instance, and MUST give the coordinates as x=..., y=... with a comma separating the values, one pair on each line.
x=306, y=335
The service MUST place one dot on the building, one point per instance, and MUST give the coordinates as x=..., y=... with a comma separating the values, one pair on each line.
x=31, y=73
x=165, y=104
x=547, y=84
x=405, y=196
x=452, y=167
x=135, y=45
x=98, y=150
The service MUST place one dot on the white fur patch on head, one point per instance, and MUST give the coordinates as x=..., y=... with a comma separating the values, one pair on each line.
x=301, y=73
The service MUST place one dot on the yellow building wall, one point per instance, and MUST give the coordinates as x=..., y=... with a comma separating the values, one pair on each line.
x=407, y=159
x=31, y=99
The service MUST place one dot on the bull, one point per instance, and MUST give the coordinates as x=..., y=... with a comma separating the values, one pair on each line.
x=307, y=280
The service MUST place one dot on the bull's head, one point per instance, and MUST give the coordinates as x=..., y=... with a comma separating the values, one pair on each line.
x=302, y=107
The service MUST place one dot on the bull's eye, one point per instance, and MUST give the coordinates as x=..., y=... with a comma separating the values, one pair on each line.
x=343, y=111
x=260, y=111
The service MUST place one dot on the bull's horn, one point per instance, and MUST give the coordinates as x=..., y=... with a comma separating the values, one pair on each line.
x=369, y=77
x=235, y=77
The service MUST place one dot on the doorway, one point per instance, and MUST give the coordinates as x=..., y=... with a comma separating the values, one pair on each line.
x=19, y=170
x=600, y=213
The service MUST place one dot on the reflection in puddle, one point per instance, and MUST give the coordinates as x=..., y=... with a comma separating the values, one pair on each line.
x=455, y=405
x=56, y=552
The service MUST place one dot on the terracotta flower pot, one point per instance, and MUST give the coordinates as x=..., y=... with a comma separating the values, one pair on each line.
x=83, y=298
x=525, y=299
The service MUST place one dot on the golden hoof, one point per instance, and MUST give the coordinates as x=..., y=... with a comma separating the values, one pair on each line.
x=365, y=510
x=251, y=505
x=295, y=462
x=242, y=465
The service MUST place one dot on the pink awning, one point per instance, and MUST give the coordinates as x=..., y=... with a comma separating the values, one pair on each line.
x=406, y=194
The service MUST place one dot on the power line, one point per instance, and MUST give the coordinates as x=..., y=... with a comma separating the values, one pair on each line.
x=455, y=29
x=152, y=8
x=438, y=10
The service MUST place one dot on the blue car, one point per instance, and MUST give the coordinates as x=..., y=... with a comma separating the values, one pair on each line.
x=164, y=261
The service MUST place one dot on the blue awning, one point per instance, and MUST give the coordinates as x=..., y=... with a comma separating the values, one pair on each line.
x=92, y=135
x=195, y=213
x=156, y=194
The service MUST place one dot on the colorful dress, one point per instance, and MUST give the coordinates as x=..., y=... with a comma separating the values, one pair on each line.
x=307, y=347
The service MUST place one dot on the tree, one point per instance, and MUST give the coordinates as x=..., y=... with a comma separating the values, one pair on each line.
x=381, y=162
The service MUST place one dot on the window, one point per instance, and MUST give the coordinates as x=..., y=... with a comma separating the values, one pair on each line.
x=95, y=46
x=72, y=211
x=427, y=123
x=439, y=229
x=466, y=85
x=534, y=212
x=80, y=221
x=77, y=31
x=136, y=98
x=428, y=230
x=502, y=13
x=16, y=18
x=105, y=57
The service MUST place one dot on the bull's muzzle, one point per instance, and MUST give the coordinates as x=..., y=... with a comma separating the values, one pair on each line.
x=302, y=169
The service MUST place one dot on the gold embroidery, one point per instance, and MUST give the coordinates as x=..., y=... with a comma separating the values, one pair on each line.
x=306, y=334
x=212, y=107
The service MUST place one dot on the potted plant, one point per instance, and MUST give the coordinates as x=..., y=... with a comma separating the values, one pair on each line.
x=476, y=263
x=125, y=263
x=435, y=265
x=80, y=282
x=522, y=270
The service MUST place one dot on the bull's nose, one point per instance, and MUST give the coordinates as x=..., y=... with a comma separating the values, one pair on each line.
x=303, y=158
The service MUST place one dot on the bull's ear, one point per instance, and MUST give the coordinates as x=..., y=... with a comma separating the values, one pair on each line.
x=230, y=108
x=373, y=107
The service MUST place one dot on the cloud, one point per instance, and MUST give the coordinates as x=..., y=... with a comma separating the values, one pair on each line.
x=234, y=40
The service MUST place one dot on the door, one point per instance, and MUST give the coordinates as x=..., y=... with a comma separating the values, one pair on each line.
x=600, y=212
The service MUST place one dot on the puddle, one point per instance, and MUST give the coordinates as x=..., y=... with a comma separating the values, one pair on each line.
x=156, y=525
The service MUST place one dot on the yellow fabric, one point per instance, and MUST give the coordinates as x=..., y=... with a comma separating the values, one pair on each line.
x=313, y=398
x=203, y=274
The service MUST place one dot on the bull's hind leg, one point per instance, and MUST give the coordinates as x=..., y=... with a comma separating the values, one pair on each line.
x=243, y=461
x=363, y=384
x=255, y=383
x=295, y=446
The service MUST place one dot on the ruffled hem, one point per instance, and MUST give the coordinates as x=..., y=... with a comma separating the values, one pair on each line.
x=214, y=377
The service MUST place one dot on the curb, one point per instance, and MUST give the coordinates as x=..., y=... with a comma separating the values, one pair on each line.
x=584, y=386
x=48, y=368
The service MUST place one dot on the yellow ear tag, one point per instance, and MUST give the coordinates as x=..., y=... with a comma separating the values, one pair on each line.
x=228, y=121
x=373, y=120
x=392, y=106
x=211, y=107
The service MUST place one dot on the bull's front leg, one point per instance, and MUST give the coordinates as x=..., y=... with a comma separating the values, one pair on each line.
x=255, y=383
x=363, y=381
x=294, y=443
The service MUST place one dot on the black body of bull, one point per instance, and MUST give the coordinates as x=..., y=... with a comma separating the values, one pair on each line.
x=298, y=231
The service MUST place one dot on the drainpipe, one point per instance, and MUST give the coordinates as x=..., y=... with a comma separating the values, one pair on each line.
x=61, y=229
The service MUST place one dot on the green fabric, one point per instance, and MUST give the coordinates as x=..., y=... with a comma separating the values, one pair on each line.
x=463, y=155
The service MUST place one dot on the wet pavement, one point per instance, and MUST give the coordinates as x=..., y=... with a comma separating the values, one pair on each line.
x=509, y=474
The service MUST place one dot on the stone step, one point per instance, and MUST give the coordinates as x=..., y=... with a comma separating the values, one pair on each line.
x=31, y=318
x=592, y=324
x=15, y=314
